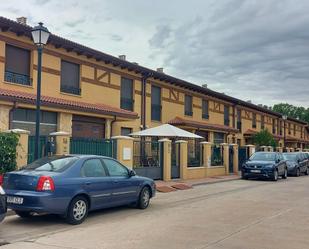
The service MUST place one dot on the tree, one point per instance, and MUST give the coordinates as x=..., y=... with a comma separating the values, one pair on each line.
x=264, y=138
x=292, y=111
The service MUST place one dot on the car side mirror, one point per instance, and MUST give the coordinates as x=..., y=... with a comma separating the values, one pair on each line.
x=132, y=173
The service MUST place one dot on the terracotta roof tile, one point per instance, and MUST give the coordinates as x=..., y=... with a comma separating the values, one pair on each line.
x=200, y=124
x=67, y=104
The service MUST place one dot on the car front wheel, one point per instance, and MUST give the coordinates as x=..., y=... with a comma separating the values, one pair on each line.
x=77, y=211
x=275, y=176
x=144, y=198
x=285, y=174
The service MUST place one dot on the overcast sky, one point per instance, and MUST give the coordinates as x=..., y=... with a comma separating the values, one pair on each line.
x=253, y=50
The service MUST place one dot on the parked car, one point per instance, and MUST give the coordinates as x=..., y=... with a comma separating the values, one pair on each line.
x=2, y=204
x=267, y=165
x=297, y=163
x=73, y=185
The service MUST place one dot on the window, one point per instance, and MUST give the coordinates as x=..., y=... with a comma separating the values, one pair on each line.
x=239, y=119
x=289, y=128
x=274, y=126
x=17, y=65
x=54, y=163
x=262, y=122
x=115, y=169
x=205, y=109
x=156, y=103
x=280, y=127
x=126, y=98
x=93, y=168
x=25, y=119
x=70, y=78
x=188, y=105
x=253, y=120
x=226, y=115
x=125, y=131
x=295, y=129
x=218, y=138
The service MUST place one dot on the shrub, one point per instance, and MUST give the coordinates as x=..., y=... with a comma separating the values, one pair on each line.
x=8, y=143
x=264, y=138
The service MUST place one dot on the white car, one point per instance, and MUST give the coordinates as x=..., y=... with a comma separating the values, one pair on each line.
x=2, y=204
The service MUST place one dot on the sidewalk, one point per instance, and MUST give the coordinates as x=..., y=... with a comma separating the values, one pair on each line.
x=176, y=184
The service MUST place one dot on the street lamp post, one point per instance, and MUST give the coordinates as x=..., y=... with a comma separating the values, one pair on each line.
x=284, y=117
x=40, y=35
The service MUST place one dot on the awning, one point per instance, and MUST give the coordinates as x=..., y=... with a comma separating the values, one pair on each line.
x=165, y=130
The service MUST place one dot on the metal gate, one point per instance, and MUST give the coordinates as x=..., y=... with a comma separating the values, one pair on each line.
x=42, y=147
x=231, y=160
x=242, y=156
x=175, y=166
x=99, y=147
x=146, y=159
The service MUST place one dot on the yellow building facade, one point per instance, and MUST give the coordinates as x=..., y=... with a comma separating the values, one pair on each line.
x=91, y=94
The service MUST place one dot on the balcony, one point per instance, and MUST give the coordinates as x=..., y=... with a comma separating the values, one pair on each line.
x=17, y=78
x=126, y=104
x=70, y=90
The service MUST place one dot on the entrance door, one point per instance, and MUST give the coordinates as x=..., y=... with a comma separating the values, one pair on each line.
x=88, y=127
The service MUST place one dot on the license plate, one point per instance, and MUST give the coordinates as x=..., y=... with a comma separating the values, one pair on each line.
x=255, y=171
x=15, y=200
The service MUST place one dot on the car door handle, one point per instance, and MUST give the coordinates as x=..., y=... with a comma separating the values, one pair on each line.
x=115, y=181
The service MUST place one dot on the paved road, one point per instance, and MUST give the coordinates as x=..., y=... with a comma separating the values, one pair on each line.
x=235, y=215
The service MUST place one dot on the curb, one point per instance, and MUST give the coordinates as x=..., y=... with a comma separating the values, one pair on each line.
x=213, y=182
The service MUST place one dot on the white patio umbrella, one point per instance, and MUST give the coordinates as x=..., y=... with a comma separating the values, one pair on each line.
x=165, y=130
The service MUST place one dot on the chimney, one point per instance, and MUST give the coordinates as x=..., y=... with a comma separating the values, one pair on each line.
x=160, y=70
x=122, y=57
x=22, y=20
x=205, y=86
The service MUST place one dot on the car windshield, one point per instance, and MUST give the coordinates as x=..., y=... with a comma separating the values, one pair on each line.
x=289, y=157
x=54, y=163
x=263, y=157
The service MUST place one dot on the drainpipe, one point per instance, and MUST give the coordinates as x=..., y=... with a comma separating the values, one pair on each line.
x=111, y=128
x=143, y=106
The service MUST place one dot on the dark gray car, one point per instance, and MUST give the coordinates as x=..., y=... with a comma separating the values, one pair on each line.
x=2, y=204
x=297, y=163
x=268, y=165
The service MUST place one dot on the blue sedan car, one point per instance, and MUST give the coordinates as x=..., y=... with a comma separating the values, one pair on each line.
x=73, y=185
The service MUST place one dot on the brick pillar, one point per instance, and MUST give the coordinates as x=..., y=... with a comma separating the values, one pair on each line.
x=62, y=140
x=22, y=147
x=264, y=148
x=225, y=152
x=292, y=149
x=166, y=152
x=251, y=149
x=206, y=148
x=124, y=150
x=270, y=149
x=183, y=158
x=235, y=158
x=279, y=149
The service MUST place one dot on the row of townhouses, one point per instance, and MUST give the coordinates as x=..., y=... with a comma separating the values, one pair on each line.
x=91, y=94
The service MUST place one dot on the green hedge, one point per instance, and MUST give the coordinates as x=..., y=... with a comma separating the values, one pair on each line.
x=8, y=143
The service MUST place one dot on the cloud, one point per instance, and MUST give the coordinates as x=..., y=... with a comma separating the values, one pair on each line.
x=249, y=49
